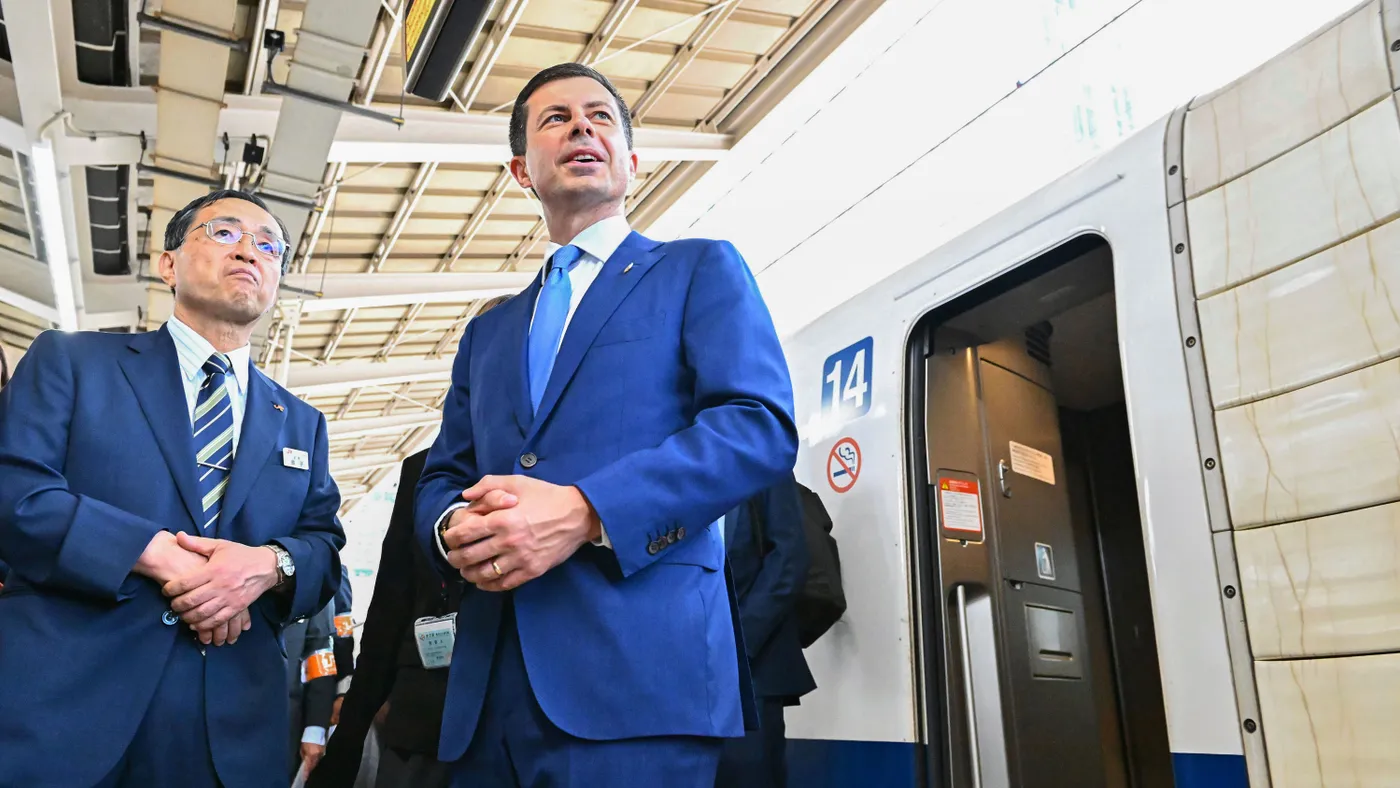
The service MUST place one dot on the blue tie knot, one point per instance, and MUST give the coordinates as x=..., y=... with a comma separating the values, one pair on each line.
x=564, y=260
x=218, y=364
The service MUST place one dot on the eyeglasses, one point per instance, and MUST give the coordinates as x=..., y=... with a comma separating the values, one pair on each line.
x=228, y=233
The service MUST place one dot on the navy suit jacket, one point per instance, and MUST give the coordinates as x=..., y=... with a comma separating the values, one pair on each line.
x=96, y=457
x=767, y=578
x=669, y=403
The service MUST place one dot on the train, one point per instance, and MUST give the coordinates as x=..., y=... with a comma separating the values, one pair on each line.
x=1115, y=475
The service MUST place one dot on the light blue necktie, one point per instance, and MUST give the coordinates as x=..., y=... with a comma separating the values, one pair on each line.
x=213, y=437
x=551, y=311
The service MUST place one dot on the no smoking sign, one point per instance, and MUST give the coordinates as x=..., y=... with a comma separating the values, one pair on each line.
x=843, y=465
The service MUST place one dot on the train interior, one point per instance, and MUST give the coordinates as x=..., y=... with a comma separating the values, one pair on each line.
x=1039, y=661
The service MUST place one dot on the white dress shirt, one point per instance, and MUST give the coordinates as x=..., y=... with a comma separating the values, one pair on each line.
x=193, y=350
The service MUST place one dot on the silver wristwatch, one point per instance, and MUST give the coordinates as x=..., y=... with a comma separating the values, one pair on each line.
x=285, y=567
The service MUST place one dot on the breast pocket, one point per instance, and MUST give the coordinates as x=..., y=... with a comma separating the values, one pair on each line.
x=632, y=329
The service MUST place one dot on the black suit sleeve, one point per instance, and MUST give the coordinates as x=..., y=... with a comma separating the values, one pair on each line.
x=319, y=694
x=774, y=591
x=389, y=616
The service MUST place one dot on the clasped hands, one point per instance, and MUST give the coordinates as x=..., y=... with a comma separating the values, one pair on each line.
x=515, y=529
x=211, y=582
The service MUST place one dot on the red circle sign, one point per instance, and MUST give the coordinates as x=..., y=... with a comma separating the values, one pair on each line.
x=843, y=465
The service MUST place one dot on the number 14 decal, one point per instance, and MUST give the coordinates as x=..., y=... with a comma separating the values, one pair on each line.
x=846, y=391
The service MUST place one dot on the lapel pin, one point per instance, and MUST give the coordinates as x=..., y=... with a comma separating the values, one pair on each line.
x=277, y=406
x=628, y=268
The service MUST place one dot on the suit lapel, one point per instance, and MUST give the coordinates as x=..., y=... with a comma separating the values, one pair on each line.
x=263, y=416
x=153, y=371
x=516, y=364
x=620, y=274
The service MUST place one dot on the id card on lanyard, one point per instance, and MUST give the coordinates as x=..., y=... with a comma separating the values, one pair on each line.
x=435, y=637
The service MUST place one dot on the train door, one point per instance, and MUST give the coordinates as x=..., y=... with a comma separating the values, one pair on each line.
x=1039, y=660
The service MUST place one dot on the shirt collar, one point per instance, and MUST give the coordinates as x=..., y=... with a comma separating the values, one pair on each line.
x=599, y=240
x=193, y=350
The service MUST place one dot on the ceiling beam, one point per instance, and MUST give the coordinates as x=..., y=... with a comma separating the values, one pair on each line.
x=490, y=51
x=334, y=378
x=673, y=70
x=348, y=291
x=33, y=29
x=607, y=31
x=427, y=134
x=385, y=248
x=339, y=429
x=25, y=284
x=361, y=464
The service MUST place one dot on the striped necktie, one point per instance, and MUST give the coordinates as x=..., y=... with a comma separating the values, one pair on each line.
x=213, y=437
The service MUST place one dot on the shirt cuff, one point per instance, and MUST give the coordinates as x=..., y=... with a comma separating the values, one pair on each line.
x=314, y=734
x=343, y=686
x=602, y=540
x=437, y=527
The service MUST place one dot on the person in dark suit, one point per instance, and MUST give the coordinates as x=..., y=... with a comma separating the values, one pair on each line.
x=768, y=558
x=408, y=588
x=148, y=581
x=598, y=427
x=344, y=641
x=311, y=680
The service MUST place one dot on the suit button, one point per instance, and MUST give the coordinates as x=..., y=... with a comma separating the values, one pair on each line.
x=680, y=532
x=653, y=548
x=169, y=618
x=671, y=537
x=528, y=460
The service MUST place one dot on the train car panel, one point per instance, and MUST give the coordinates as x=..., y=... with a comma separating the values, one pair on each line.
x=1331, y=722
x=1330, y=314
x=1299, y=94
x=1330, y=188
x=1323, y=587
x=1326, y=448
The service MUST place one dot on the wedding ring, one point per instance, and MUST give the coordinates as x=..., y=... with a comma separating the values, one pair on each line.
x=496, y=567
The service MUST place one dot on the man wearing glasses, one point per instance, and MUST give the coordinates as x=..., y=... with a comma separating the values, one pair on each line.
x=165, y=509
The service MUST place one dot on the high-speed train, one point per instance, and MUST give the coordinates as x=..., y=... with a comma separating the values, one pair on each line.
x=1115, y=476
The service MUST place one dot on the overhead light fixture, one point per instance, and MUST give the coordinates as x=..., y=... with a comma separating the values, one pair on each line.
x=51, y=226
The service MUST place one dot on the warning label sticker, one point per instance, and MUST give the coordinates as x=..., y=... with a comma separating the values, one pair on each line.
x=1032, y=462
x=960, y=505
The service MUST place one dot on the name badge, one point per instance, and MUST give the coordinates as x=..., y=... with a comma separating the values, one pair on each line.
x=435, y=638
x=296, y=458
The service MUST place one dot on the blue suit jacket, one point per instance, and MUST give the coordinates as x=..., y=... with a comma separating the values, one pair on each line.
x=768, y=574
x=669, y=403
x=96, y=457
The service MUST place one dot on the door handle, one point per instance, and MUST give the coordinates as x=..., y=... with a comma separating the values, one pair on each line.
x=970, y=703
x=1002, y=469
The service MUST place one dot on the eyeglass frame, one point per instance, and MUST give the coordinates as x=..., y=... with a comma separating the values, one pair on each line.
x=281, y=258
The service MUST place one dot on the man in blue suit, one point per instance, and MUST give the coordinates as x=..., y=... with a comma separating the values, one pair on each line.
x=768, y=557
x=599, y=425
x=165, y=509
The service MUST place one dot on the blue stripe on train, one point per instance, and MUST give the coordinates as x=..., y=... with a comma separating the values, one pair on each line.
x=818, y=763
x=1201, y=770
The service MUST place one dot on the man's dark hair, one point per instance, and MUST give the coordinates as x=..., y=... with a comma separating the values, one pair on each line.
x=183, y=220
x=492, y=304
x=518, y=119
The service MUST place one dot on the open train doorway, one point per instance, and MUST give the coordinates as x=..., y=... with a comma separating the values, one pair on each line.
x=1038, y=654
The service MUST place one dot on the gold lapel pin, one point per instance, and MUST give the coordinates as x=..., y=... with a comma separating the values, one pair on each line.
x=279, y=407
x=628, y=268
